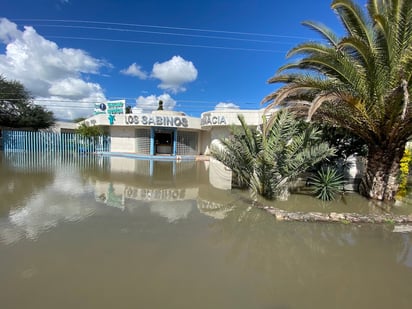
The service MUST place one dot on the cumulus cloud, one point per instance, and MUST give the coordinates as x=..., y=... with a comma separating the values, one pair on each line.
x=172, y=211
x=135, y=70
x=174, y=73
x=65, y=108
x=49, y=208
x=226, y=105
x=151, y=102
x=8, y=31
x=48, y=71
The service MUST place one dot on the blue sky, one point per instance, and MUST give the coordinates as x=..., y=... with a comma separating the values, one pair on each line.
x=194, y=55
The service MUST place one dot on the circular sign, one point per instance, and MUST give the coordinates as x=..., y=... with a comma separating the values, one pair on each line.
x=102, y=106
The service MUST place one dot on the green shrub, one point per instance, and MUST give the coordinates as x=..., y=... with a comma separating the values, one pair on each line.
x=326, y=183
x=266, y=160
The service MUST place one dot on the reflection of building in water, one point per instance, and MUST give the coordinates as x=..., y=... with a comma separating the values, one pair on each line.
x=220, y=176
x=190, y=188
x=172, y=211
x=117, y=194
x=151, y=168
x=214, y=209
x=107, y=194
x=126, y=185
x=171, y=203
x=46, y=161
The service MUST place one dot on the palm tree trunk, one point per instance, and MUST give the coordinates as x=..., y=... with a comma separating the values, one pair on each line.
x=380, y=180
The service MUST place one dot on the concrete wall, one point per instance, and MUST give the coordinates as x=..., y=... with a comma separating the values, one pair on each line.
x=218, y=133
x=204, y=142
x=230, y=117
x=220, y=176
x=123, y=139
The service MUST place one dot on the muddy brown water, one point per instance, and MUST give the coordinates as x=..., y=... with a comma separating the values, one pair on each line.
x=101, y=232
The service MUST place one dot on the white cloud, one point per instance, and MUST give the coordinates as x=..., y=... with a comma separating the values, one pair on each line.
x=151, y=102
x=48, y=71
x=8, y=31
x=172, y=211
x=49, y=208
x=73, y=88
x=135, y=70
x=226, y=105
x=174, y=73
x=67, y=108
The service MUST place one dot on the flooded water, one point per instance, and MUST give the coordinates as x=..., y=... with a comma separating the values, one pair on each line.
x=118, y=233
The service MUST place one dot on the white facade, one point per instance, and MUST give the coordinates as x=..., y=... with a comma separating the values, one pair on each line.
x=170, y=132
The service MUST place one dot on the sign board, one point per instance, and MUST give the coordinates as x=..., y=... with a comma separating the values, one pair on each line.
x=213, y=120
x=110, y=107
x=156, y=120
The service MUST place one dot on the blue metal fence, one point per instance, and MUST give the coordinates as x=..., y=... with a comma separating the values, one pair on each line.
x=29, y=141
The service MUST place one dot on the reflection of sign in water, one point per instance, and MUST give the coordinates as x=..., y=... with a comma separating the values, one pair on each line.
x=214, y=209
x=113, y=199
x=154, y=194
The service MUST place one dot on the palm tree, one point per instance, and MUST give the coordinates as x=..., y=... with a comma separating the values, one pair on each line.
x=360, y=82
x=266, y=161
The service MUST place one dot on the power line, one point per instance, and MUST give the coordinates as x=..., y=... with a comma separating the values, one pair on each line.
x=162, y=43
x=164, y=27
x=161, y=33
x=102, y=101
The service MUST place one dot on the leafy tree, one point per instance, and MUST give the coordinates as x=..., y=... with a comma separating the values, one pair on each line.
x=360, y=82
x=89, y=131
x=266, y=161
x=17, y=109
x=344, y=141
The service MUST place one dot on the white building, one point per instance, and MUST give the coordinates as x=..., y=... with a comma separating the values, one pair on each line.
x=170, y=133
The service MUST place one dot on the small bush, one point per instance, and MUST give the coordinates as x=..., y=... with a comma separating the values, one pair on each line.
x=327, y=183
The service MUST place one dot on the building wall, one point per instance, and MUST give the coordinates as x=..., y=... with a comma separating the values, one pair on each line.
x=218, y=133
x=210, y=128
x=123, y=139
x=187, y=142
x=204, y=142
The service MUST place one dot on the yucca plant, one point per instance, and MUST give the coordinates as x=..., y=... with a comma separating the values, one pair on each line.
x=327, y=183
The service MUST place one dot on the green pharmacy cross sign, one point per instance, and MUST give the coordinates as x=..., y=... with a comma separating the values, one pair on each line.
x=111, y=118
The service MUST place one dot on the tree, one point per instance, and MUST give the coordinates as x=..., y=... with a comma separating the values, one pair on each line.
x=266, y=161
x=91, y=134
x=89, y=131
x=17, y=109
x=360, y=82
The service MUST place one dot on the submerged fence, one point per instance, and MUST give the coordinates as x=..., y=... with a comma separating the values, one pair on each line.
x=38, y=162
x=29, y=141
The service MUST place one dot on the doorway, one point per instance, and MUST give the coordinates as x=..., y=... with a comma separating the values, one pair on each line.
x=163, y=142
